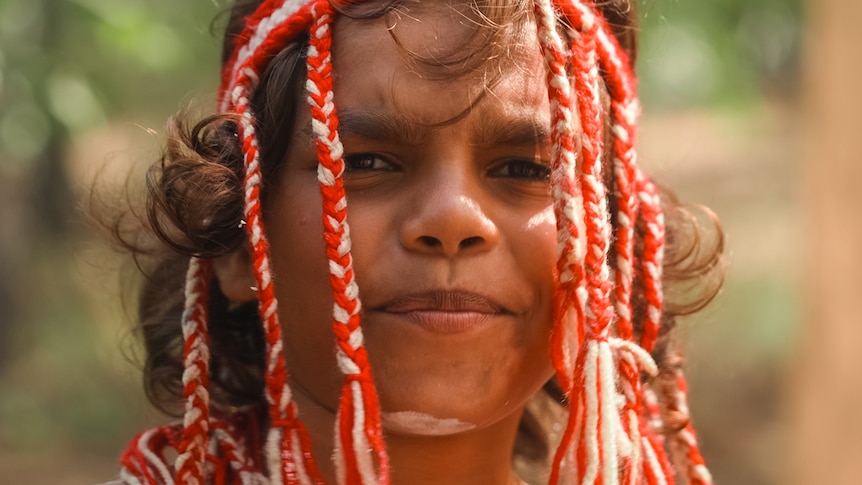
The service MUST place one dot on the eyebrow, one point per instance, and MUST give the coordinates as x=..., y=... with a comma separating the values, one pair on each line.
x=381, y=125
x=520, y=131
x=372, y=124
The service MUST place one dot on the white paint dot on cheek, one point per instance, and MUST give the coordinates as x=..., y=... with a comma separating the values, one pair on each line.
x=413, y=422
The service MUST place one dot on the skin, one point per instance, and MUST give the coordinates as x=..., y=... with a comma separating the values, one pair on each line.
x=433, y=205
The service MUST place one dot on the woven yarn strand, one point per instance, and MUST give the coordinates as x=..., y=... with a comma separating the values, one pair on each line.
x=358, y=432
x=570, y=297
x=193, y=447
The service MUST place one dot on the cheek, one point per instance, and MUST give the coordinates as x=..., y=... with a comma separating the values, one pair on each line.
x=295, y=232
x=538, y=245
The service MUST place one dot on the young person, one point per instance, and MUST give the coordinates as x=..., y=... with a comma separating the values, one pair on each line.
x=414, y=247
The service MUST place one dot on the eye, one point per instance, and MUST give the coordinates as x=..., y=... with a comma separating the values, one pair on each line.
x=367, y=162
x=522, y=169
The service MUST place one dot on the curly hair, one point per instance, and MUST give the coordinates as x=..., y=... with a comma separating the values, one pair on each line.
x=195, y=209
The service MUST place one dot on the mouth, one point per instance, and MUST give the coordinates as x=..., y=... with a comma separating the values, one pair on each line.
x=444, y=311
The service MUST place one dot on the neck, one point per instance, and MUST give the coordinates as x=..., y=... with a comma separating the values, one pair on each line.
x=476, y=456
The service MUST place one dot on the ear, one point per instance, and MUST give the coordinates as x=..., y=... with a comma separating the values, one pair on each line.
x=235, y=275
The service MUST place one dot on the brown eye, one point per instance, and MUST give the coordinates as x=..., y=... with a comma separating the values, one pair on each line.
x=522, y=169
x=367, y=162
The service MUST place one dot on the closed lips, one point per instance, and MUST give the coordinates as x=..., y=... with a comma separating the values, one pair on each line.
x=444, y=311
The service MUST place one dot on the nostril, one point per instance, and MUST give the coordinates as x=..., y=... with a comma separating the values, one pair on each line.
x=430, y=241
x=470, y=241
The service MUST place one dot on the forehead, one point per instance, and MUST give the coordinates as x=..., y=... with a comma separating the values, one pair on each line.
x=435, y=60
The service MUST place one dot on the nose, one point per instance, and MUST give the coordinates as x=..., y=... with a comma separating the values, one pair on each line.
x=448, y=220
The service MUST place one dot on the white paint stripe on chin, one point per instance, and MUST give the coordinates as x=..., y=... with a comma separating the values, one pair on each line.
x=414, y=422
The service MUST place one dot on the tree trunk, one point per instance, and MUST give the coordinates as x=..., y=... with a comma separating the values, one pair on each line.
x=827, y=397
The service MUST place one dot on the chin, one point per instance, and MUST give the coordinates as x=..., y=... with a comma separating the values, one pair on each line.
x=416, y=423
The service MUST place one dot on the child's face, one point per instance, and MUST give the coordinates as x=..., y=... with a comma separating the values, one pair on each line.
x=452, y=227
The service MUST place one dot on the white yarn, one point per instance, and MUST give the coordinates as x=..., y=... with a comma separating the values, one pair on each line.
x=611, y=425
x=702, y=473
x=360, y=441
x=151, y=457
x=127, y=478
x=266, y=25
x=301, y=472
x=338, y=454
x=272, y=450
x=591, y=438
x=246, y=477
x=652, y=461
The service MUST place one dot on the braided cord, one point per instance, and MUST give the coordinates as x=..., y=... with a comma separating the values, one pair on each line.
x=683, y=442
x=602, y=427
x=589, y=441
x=642, y=454
x=256, y=41
x=229, y=458
x=359, y=432
x=192, y=449
x=570, y=295
x=597, y=432
x=288, y=449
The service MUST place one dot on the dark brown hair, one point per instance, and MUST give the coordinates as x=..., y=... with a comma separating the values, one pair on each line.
x=194, y=208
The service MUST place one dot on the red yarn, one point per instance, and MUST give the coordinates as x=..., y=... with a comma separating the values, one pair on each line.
x=686, y=438
x=276, y=39
x=252, y=22
x=336, y=235
x=233, y=454
x=592, y=189
x=276, y=391
x=192, y=448
x=654, y=240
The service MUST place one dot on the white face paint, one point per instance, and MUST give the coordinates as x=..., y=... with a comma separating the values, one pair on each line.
x=412, y=422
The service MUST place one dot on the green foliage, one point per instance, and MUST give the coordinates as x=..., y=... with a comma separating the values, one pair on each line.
x=718, y=52
x=69, y=65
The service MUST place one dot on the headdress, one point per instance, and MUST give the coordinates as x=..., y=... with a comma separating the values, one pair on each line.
x=615, y=430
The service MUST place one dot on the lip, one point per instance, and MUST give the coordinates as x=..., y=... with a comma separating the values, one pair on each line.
x=444, y=311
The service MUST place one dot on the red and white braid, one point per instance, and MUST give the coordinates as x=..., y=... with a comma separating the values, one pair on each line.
x=359, y=429
x=571, y=293
x=683, y=442
x=589, y=443
x=286, y=462
x=645, y=462
x=269, y=16
x=672, y=397
x=643, y=449
x=193, y=447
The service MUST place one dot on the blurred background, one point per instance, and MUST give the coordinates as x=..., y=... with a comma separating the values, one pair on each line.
x=85, y=89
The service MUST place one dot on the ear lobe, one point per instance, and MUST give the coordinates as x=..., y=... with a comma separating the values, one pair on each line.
x=235, y=275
